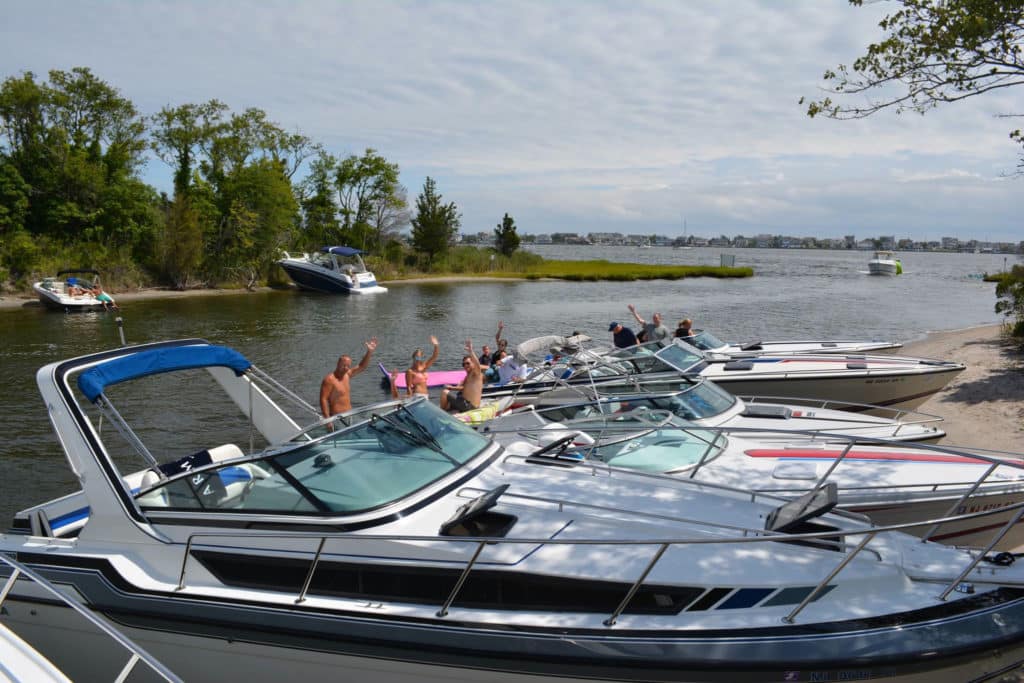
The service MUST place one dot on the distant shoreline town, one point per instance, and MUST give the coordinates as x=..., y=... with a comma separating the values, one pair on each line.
x=764, y=241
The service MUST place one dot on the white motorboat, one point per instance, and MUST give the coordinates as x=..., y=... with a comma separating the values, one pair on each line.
x=702, y=403
x=69, y=290
x=884, y=262
x=332, y=270
x=892, y=482
x=397, y=544
x=860, y=382
x=20, y=662
x=705, y=341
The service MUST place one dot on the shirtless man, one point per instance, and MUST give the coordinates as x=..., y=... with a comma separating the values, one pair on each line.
x=334, y=390
x=468, y=394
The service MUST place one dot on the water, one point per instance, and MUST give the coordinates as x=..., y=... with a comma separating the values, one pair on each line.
x=297, y=337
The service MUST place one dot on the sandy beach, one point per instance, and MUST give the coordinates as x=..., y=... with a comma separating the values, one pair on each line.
x=984, y=405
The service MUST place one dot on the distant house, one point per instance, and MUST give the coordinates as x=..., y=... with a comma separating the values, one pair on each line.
x=542, y=239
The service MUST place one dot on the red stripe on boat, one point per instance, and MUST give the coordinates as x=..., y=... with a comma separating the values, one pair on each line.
x=918, y=456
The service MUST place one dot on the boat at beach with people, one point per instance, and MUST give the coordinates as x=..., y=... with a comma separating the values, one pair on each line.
x=395, y=541
x=859, y=381
x=70, y=290
x=884, y=262
x=891, y=482
x=332, y=270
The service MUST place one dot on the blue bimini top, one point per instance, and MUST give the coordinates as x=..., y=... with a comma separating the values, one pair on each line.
x=92, y=382
x=341, y=251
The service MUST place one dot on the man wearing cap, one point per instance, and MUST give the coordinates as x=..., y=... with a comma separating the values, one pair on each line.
x=622, y=336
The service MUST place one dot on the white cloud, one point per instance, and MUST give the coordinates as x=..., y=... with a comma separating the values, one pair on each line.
x=576, y=114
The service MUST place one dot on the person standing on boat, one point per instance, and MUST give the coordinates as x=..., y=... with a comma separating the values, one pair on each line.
x=684, y=329
x=467, y=395
x=335, y=389
x=651, y=331
x=622, y=336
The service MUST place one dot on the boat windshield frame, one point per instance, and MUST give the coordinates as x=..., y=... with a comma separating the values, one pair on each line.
x=682, y=357
x=340, y=472
x=704, y=340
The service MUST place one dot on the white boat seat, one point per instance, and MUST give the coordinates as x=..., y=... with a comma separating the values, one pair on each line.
x=156, y=498
x=226, y=452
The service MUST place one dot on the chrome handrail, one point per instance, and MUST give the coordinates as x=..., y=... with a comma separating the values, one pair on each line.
x=137, y=652
x=748, y=536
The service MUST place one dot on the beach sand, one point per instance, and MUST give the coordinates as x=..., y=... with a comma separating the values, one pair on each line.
x=984, y=405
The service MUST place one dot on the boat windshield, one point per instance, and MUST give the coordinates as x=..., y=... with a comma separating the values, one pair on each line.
x=695, y=402
x=386, y=454
x=667, y=449
x=680, y=356
x=704, y=340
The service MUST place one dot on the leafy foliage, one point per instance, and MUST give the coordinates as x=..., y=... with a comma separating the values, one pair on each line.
x=935, y=51
x=506, y=239
x=369, y=194
x=1010, y=295
x=436, y=224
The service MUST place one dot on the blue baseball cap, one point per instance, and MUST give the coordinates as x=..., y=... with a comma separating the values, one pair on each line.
x=612, y=326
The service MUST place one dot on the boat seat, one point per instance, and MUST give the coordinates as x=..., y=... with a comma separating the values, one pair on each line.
x=156, y=498
x=226, y=452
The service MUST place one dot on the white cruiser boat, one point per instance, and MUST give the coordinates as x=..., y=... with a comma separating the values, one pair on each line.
x=890, y=481
x=884, y=263
x=69, y=290
x=702, y=403
x=861, y=382
x=396, y=542
x=705, y=341
x=332, y=270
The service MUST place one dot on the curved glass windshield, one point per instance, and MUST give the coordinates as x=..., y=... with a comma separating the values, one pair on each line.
x=660, y=450
x=681, y=356
x=387, y=456
x=705, y=341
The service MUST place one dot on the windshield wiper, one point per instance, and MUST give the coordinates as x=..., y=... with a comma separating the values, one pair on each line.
x=415, y=439
x=424, y=432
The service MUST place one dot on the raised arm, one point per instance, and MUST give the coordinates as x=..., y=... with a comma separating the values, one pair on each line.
x=433, y=356
x=371, y=346
x=636, y=315
x=497, y=336
x=474, y=362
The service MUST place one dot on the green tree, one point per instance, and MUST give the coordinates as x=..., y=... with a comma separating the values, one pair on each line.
x=180, y=243
x=506, y=239
x=1010, y=298
x=435, y=225
x=320, y=224
x=181, y=134
x=935, y=51
x=14, y=202
x=368, y=188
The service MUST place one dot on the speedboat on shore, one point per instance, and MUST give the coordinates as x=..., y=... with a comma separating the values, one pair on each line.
x=892, y=482
x=68, y=290
x=701, y=403
x=332, y=270
x=705, y=341
x=884, y=263
x=860, y=382
x=396, y=542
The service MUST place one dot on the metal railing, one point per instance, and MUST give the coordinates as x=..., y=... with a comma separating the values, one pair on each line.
x=847, y=551
x=135, y=652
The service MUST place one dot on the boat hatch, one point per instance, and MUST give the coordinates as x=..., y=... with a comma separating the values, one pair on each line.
x=795, y=517
x=779, y=412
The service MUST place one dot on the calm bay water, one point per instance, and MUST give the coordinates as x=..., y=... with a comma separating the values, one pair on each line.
x=297, y=337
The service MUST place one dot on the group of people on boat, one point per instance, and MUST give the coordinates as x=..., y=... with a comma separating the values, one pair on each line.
x=489, y=366
x=655, y=330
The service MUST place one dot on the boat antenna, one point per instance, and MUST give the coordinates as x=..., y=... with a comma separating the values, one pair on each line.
x=120, y=329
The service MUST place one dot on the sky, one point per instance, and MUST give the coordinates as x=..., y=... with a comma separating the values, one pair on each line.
x=571, y=116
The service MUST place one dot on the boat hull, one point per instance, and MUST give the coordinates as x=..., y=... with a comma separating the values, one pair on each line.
x=204, y=639
x=882, y=268
x=62, y=302
x=315, y=279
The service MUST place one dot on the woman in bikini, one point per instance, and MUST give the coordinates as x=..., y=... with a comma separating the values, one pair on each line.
x=416, y=375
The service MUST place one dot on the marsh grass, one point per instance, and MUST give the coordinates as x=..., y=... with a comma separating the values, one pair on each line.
x=476, y=262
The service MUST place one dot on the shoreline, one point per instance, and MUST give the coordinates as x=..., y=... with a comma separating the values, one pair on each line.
x=25, y=300
x=983, y=407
